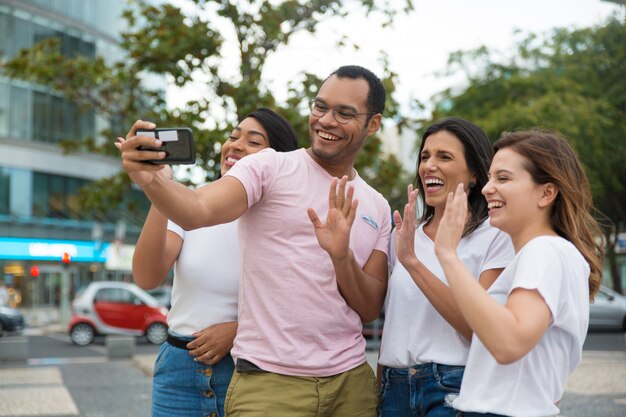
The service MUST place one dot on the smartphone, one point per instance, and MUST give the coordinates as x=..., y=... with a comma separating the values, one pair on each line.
x=177, y=145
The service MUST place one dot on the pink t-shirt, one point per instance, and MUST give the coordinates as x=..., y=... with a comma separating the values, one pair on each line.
x=292, y=318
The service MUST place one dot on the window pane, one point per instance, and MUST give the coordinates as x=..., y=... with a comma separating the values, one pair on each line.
x=73, y=121
x=40, y=195
x=56, y=200
x=4, y=40
x=57, y=122
x=41, y=117
x=72, y=187
x=19, y=113
x=21, y=35
x=4, y=190
x=41, y=32
x=4, y=109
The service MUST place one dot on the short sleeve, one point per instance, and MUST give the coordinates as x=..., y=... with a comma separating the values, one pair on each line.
x=255, y=172
x=540, y=268
x=385, y=232
x=173, y=227
x=500, y=253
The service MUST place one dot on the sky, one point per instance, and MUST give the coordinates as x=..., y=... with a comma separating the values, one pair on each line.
x=418, y=44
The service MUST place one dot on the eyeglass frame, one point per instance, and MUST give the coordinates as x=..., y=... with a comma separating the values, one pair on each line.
x=334, y=109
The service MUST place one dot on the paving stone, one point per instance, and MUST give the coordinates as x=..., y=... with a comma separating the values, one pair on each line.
x=36, y=401
x=19, y=376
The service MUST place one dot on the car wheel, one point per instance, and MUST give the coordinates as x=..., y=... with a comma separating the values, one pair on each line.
x=156, y=333
x=82, y=334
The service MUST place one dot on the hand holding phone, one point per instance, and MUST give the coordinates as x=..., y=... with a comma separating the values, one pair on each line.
x=177, y=143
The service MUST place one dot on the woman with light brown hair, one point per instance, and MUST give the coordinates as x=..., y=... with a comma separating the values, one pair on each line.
x=529, y=327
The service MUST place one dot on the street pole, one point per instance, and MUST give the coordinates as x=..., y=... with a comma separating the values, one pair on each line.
x=64, y=308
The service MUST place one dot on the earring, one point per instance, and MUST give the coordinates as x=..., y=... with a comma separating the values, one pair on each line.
x=471, y=185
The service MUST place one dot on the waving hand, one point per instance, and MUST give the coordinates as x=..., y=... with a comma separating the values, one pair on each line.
x=334, y=235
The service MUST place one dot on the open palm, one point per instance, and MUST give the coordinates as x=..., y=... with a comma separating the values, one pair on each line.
x=334, y=234
x=452, y=223
x=405, y=228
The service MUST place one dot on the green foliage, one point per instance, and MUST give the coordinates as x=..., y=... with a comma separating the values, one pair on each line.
x=573, y=81
x=186, y=48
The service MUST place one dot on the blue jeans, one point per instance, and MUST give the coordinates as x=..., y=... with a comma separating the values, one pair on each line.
x=470, y=414
x=184, y=388
x=425, y=390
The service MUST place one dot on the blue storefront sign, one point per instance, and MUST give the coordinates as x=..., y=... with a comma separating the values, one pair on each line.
x=51, y=250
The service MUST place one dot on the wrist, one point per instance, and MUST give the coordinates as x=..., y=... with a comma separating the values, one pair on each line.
x=446, y=256
x=339, y=259
x=410, y=262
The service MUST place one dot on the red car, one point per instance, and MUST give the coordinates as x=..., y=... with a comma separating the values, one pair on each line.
x=116, y=308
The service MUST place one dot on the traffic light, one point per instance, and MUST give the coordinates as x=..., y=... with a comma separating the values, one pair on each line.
x=65, y=259
x=34, y=271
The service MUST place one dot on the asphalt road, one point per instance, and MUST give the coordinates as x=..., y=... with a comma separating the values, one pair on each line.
x=60, y=346
x=63, y=380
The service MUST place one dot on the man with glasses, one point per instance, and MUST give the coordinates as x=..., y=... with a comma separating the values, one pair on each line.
x=314, y=260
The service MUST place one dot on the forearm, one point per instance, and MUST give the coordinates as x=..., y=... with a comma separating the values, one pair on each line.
x=177, y=203
x=439, y=295
x=150, y=261
x=363, y=292
x=495, y=325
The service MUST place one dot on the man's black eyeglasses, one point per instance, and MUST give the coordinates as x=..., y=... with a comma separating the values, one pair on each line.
x=341, y=114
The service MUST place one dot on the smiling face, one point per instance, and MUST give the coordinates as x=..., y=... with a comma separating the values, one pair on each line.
x=516, y=202
x=332, y=143
x=247, y=138
x=442, y=166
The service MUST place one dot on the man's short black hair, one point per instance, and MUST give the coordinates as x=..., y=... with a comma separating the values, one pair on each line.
x=376, y=96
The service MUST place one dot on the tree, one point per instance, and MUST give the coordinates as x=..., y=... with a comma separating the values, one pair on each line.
x=184, y=48
x=572, y=81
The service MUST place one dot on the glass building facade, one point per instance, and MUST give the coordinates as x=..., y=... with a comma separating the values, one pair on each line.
x=39, y=183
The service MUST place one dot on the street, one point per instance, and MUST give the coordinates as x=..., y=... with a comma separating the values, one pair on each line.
x=59, y=346
x=62, y=380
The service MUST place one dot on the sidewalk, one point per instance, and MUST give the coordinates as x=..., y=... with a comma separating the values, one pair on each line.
x=596, y=388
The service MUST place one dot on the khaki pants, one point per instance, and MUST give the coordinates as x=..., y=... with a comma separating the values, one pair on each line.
x=260, y=394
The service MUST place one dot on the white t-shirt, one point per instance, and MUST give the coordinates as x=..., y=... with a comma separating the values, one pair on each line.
x=414, y=331
x=206, y=278
x=532, y=385
x=292, y=318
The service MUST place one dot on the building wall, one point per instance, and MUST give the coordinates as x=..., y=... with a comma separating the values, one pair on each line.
x=39, y=184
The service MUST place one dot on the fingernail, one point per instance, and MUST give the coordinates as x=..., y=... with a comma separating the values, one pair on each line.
x=157, y=142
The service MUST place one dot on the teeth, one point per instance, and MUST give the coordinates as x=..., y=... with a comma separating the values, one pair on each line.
x=327, y=136
x=434, y=181
x=495, y=204
x=231, y=160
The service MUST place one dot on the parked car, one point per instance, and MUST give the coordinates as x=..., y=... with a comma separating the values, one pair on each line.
x=163, y=295
x=608, y=312
x=11, y=320
x=106, y=307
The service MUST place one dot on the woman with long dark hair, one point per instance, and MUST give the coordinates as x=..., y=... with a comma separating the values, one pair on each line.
x=426, y=339
x=194, y=366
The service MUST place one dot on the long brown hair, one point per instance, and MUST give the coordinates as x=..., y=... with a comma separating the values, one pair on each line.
x=477, y=152
x=549, y=158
